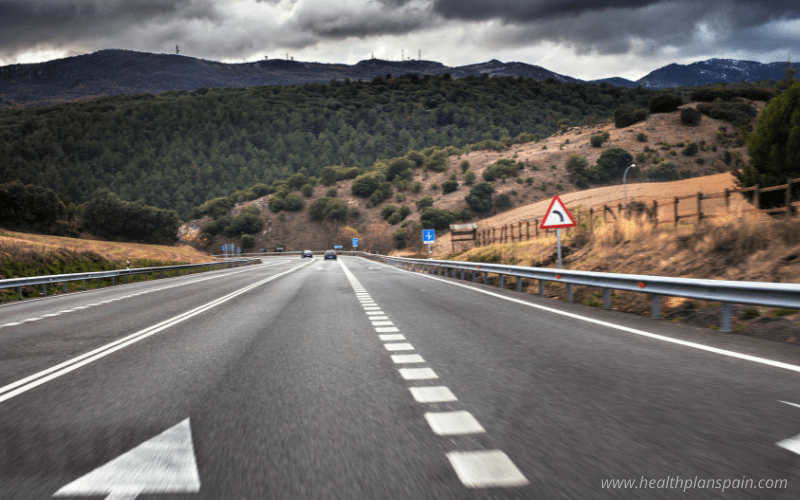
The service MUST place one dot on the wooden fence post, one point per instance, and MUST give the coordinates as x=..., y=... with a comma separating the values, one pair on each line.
x=494, y=235
x=520, y=232
x=619, y=212
x=788, y=197
x=536, y=226
x=699, y=207
x=527, y=230
x=727, y=200
x=676, y=211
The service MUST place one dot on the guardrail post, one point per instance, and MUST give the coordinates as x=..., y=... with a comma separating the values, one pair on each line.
x=65, y=287
x=474, y=275
x=569, y=292
x=485, y=278
x=519, y=283
x=19, y=293
x=501, y=280
x=462, y=275
x=126, y=279
x=113, y=281
x=541, y=288
x=44, y=289
x=439, y=270
x=84, y=284
x=726, y=317
x=655, y=302
x=606, y=298
x=98, y=282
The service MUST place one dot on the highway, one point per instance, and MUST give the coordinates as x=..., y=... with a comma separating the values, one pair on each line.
x=351, y=379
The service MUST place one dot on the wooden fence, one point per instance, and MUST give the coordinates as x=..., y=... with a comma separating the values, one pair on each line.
x=697, y=206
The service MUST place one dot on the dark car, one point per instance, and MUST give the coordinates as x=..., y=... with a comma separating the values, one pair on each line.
x=306, y=253
x=330, y=254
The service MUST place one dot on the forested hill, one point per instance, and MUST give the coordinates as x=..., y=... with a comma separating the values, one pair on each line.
x=112, y=72
x=179, y=149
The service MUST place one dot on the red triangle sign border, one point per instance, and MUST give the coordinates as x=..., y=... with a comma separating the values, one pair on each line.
x=571, y=222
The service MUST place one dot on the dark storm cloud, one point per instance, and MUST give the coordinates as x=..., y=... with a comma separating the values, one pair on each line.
x=339, y=24
x=27, y=23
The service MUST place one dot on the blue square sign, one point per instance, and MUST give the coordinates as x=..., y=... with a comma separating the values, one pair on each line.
x=428, y=236
x=355, y=242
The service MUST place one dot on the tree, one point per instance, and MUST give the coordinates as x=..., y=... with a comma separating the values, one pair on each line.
x=449, y=186
x=480, y=197
x=665, y=103
x=424, y=202
x=294, y=202
x=366, y=184
x=774, y=145
x=327, y=208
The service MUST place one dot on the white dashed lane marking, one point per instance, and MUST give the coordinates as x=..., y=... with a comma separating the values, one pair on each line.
x=453, y=423
x=439, y=394
x=407, y=358
x=486, y=469
x=417, y=373
x=398, y=347
x=481, y=469
x=392, y=336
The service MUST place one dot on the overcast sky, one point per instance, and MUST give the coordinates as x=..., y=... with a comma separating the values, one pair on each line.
x=586, y=39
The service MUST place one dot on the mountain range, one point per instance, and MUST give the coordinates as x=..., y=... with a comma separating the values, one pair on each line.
x=114, y=71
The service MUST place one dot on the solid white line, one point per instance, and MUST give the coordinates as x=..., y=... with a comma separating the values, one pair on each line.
x=693, y=345
x=37, y=379
x=788, y=403
x=12, y=324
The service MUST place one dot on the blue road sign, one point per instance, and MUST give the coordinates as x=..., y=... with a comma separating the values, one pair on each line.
x=428, y=236
x=337, y=247
x=355, y=242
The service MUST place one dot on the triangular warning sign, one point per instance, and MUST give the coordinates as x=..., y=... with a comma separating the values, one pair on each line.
x=557, y=216
x=164, y=464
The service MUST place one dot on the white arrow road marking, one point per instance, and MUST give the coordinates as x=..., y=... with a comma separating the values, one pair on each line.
x=164, y=464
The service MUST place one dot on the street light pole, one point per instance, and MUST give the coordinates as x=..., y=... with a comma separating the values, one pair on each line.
x=623, y=183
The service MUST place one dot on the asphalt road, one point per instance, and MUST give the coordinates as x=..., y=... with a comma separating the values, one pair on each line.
x=314, y=379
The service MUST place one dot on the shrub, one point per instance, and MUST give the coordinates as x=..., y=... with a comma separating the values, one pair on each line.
x=387, y=211
x=543, y=187
x=749, y=314
x=328, y=208
x=307, y=190
x=500, y=168
x=664, y=171
x=354, y=213
x=436, y=218
x=384, y=192
x=519, y=180
x=535, y=167
x=464, y=165
x=248, y=221
x=559, y=186
x=502, y=202
x=400, y=196
x=691, y=149
x=247, y=241
x=690, y=117
x=665, y=103
x=700, y=160
x=438, y=161
x=738, y=113
x=449, y=186
x=332, y=192
x=416, y=187
x=366, y=184
x=480, y=197
x=641, y=137
x=399, y=167
x=416, y=157
x=424, y=202
x=469, y=177
x=434, y=186
x=394, y=218
x=624, y=117
x=276, y=203
x=296, y=181
x=596, y=140
x=404, y=211
x=529, y=181
x=294, y=202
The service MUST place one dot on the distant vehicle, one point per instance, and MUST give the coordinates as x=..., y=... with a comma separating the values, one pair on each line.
x=306, y=253
x=330, y=254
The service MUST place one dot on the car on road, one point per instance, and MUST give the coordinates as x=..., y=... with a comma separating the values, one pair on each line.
x=330, y=254
x=306, y=253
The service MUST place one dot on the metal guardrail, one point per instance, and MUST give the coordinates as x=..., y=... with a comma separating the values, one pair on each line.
x=18, y=283
x=786, y=295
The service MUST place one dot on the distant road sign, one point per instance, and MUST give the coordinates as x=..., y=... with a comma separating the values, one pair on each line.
x=337, y=247
x=355, y=242
x=557, y=216
x=428, y=236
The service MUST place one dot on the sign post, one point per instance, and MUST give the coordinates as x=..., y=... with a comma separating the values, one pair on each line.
x=355, y=242
x=557, y=217
x=428, y=237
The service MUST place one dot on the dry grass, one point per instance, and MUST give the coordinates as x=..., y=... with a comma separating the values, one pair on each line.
x=730, y=248
x=33, y=244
